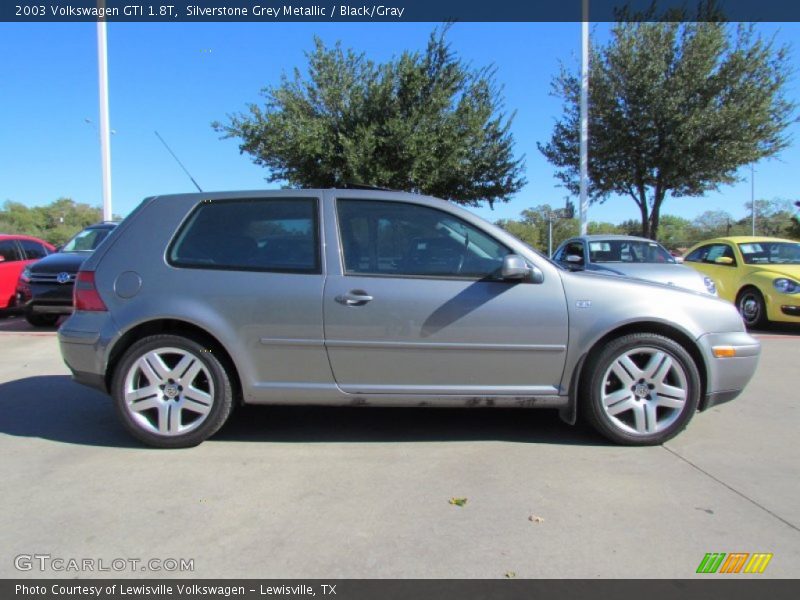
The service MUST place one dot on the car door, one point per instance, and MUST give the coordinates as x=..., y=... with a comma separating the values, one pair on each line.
x=10, y=267
x=417, y=307
x=256, y=263
x=724, y=274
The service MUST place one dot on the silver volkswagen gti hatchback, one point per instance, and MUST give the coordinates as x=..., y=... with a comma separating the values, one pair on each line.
x=199, y=302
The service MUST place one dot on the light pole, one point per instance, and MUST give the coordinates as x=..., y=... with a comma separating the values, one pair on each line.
x=105, y=130
x=584, y=149
x=753, y=194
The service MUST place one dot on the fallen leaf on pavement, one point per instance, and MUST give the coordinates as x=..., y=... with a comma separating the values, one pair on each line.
x=536, y=519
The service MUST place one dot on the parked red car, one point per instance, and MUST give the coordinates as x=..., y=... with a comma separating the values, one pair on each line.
x=17, y=252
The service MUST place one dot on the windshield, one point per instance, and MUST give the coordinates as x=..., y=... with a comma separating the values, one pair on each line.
x=628, y=251
x=86, y=241
x=771, y=253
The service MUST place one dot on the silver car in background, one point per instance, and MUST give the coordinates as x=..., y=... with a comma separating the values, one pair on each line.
x=630, y=256
x=198, y=302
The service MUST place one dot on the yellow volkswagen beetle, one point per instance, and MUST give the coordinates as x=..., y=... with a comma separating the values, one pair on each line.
x=761, y=275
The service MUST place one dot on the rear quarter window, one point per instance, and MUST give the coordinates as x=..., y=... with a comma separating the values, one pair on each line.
x=280, y=235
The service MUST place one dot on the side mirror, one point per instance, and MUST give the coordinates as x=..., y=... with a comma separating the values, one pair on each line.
x=723, y=260
x=574, y=262
x=514, y=267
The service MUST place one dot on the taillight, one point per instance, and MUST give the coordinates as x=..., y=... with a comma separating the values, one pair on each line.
x=84, y=295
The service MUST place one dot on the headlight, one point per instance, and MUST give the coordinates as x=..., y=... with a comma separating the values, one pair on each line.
x=786, y=286
x=25, y=275
x=710, y=285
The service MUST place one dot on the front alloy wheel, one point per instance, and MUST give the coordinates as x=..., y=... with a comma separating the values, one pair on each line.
x=171, y=392
x=751, y=307
x=643, y=389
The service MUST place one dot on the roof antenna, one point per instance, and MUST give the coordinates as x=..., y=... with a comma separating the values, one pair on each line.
x=178, y=161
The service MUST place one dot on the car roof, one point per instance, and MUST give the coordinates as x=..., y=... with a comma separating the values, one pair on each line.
x=744, y=239
x=612, y=236
x=352, y=192
x=103, y=225
x=22, y=236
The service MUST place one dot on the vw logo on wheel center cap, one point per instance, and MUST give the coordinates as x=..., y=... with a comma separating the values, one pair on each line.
x=171, y=390
x=641, y=390
x=62, y=278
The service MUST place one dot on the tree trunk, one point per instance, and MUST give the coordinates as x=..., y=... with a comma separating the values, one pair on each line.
x=642, y=202
x=655, y=214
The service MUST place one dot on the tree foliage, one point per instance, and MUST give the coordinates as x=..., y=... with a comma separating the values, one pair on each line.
x=675, y=110
x=532, y=227
x=424, y=122
x=55, y=223
x=774, y=218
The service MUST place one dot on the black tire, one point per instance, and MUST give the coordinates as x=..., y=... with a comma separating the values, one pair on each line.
x=41, y=319
x=643, y=406
x=171, y=395
x=750, y=304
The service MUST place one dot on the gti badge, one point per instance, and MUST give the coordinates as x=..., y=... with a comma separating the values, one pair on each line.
x=583, y=304
x=62, y=278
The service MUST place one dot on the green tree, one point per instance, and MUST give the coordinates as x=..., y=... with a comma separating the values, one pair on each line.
x=424, y=122
x=596, y=227
x=675, y=110
x=713, y=223
x=794, y=228
x=773, y=218
x=675, y=232
x=532, y=227
x=56, y=222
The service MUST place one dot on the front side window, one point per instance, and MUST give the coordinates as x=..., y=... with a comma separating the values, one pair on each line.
x=33, y=250
x=720, y=251
x=8, y=251
x=698, y=255
x=394, y=238
x=258, y=235
x=574, y=249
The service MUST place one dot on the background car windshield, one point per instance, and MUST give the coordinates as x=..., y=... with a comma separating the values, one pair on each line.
x=628, y=251
x=763, y=253
x=86, y=241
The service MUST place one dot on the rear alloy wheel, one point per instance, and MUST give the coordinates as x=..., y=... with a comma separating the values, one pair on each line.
x=641, y=389
x=752, y=308
x=171, y=391
x=41, y=319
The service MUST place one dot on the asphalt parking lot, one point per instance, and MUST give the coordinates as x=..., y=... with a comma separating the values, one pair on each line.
x=363, y=493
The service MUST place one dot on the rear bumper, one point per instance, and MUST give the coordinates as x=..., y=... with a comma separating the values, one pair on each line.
x=83, y=344
x=727, y=377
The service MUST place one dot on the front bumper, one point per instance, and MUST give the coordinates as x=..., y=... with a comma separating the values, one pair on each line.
x=727, y=377
x=42, y=298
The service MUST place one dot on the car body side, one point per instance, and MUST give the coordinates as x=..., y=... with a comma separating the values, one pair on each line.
x=285, y=347
x=733, y=279
x=10, y=269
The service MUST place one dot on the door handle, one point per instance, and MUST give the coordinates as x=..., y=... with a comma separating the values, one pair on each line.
x=354, y=298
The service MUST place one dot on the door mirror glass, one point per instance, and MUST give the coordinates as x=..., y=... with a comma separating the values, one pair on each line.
x=514, y=267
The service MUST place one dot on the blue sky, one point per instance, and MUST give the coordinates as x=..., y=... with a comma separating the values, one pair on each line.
x=178, y=78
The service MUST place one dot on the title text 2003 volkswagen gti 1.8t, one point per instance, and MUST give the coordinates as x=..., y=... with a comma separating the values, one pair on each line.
x=197, y=302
